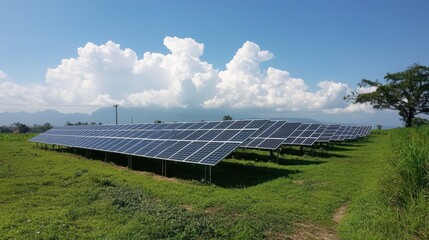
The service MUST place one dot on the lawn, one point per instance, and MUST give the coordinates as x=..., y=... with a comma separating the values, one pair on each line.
x=56, y=194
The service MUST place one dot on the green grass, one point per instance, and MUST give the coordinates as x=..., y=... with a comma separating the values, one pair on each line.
x=46, y=194
x=396, y=206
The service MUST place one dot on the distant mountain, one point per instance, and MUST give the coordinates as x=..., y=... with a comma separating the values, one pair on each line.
x=140, y=115
x=54, y=117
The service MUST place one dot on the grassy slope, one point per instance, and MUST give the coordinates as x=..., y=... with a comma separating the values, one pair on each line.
x=49, y=194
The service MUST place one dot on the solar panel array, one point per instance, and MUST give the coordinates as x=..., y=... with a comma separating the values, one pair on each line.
x=277, y=133
x=204, y=143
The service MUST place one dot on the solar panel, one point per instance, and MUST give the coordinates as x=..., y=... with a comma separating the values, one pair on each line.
x=204, y=143
x=338, y=135
x=305, y=135
x=330, y=130
x=271, y=135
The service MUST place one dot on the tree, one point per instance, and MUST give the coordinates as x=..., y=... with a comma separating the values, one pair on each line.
x=417, y=121
x=406, y=92
x=20, y=127
x=227, y=117
x=5, y=129
x=41, y=128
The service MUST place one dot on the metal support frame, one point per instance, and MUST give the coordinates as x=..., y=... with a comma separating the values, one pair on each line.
x=278, y=154
x=208, y=174
x=106, y=157
x=302, y=150
x=130, y=161
x=164, y=168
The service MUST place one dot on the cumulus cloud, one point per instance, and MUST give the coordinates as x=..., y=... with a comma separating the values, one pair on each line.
x=3, y=76
x=244, y=84
x=106, y=74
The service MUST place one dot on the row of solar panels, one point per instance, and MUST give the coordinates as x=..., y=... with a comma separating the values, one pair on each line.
x=201, y=142
x=276, y=133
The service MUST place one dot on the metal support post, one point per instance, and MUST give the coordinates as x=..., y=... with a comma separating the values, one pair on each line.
x=164, y=168
x=302, y=150
x=130, y=162
x=278, y=154
x=208, y=174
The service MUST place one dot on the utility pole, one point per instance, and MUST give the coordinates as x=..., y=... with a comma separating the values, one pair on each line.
x=116, y=111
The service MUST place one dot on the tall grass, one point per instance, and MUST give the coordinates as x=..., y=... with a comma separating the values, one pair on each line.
x=409, y=175
x=395, y=203
x=406, y=186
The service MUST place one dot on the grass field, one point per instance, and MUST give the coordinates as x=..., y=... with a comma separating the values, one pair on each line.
x=50, y=194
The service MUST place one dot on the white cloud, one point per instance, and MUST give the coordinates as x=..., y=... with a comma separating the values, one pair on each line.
x=106, y=74
x=3, y=76
x=366, y=89
x=243, y=84
x=188, y=46
x=361, y=107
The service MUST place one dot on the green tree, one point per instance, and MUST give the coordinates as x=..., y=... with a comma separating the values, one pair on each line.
x=5, y=129
x=227, y=117
x=41, y=128
x=20, y=127
x=417, y=121
x=406, y=92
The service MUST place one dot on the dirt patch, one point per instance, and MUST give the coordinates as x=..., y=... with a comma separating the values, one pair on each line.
x=276, y=236
x=309, y=231
x=298, y=182
x=159, y=177
x=339, y=214
x=213, y=209
x=188, y=208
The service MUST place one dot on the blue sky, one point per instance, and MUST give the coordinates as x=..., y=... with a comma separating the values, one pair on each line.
x=315, y=41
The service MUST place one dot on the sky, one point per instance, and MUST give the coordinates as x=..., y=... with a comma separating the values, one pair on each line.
x=291, y=58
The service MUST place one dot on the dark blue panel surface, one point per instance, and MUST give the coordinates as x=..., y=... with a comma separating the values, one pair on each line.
x=173, y=151
x=220, y=153
x=144, y=150
x=270, y=143
x=204, y=152
x=161, y=147
x=186, y=149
